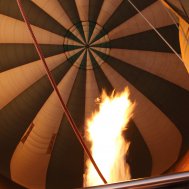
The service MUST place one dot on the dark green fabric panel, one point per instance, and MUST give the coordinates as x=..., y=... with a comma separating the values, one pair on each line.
x=102, y=45
x=125, y=11
x=79, y=27
x=14, y=55
x=67, y=161
x=35, y=15
x=185, y=5
x=99, y=35
x=91, y=29
x=181, y=13
x=84, y=61
x=101, y=79
x=71, y=10
x=172, y=100
x=149, y=40
x=139, y=156
x=72, y=36
x=19, y=113
x=102, y=55
x=73, y=58
x=71, y=47
x=94, y=11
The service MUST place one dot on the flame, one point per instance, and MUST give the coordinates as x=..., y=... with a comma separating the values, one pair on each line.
x=108, y=146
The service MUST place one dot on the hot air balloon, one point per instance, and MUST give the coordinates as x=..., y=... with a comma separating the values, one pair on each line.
x=89, y=45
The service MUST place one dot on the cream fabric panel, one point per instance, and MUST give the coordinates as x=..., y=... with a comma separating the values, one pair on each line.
x=76, y=33
x=72, y=52
x=102, y=50
x=13, y=82
x=97, y=58
x=176, y=3
x=89, y=63
x=30, y=160
x=164, y=65
x=96, y=30
x=107, y=9
x=15, y=31
x=77, y=63
x=160, y=134
x=83, y=9
x=86, y=30
x=54, y=9
x=103, y=39
x=91, y=93
x=68, y=41
x=155, y=13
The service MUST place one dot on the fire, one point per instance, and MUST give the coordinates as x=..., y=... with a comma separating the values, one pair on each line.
x=108, y=146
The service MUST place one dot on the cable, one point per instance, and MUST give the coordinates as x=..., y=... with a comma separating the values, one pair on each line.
x=53, y=83
x=159, y=34
x=185, y=12
x=170, y=15
x=175, y=22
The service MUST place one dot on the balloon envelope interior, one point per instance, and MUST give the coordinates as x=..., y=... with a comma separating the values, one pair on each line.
x=89, y=45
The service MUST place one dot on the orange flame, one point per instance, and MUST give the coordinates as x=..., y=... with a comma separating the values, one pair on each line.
x=108, y=147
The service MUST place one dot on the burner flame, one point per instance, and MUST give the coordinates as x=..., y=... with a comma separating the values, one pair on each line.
x=105, y=134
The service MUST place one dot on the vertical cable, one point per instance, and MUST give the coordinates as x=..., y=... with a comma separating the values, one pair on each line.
x=53, y=83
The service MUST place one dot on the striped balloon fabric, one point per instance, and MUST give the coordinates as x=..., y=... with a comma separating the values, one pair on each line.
x=89, y=45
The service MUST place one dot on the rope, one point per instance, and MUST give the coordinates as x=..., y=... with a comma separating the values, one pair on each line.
x=170, y=15
x=175, y=22
x=53, y=83
x=159, y=34
x=184, y=9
